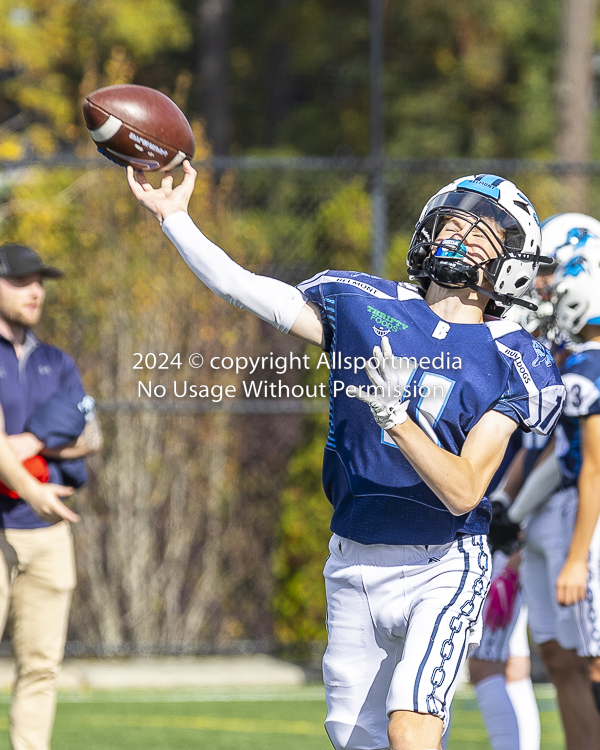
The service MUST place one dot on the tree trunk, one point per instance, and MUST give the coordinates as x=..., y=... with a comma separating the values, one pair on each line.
x=214, y=17
x=575, y=95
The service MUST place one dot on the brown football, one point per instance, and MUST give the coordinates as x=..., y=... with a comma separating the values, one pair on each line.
x=139, y=127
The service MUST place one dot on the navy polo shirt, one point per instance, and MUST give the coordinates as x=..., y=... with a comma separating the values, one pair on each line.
x=42, y=371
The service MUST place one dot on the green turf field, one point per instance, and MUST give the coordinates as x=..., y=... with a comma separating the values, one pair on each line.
x=257, y=719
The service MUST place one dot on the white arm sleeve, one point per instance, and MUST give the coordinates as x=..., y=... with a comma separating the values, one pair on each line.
x=540, y=485
x=269, y=299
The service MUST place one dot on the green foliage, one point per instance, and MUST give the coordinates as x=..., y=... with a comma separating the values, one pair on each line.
x=303, y=534
x=475, y=79
x=299, y=600
x=471, y=80
x=53, y=52
x=177, y=485
x=345, y=220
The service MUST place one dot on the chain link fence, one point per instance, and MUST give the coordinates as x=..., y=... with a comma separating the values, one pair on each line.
x=182, y=514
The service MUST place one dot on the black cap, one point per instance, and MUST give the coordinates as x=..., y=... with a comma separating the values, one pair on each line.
x=20, y=260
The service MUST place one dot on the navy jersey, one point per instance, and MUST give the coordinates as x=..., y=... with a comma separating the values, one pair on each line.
x=534, y=445
x=452, y=373
x=581, y=376
x=42, y=371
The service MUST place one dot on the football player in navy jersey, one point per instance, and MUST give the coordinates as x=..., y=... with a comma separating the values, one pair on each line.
x=561, y=562
x=409, y=565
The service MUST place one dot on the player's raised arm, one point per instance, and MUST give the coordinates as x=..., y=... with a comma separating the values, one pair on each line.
x=459, y=481
x=279, y=304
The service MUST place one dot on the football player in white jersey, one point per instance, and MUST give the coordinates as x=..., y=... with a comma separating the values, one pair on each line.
x=409, y=565
x=500, y=667
x=561, y=564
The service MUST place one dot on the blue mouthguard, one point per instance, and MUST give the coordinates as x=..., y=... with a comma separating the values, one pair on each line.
x=451, y=249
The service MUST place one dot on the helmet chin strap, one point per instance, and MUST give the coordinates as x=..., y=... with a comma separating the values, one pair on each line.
x=466, y=277
x=503, y=299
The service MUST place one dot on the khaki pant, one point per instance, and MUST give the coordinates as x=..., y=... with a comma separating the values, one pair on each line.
x=37, y=578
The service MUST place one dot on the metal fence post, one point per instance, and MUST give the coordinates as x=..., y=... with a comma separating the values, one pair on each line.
x=378, y=192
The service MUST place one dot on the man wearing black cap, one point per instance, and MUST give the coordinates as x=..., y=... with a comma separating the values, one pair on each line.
x=50, y=425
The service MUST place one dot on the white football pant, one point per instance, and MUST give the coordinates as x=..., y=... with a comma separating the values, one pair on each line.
x=401, y=621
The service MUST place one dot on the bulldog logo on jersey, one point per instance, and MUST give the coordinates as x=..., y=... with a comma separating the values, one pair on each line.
x=541, y=354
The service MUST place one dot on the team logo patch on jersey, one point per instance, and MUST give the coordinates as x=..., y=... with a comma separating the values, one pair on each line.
x=392, y=324
x=541, y=354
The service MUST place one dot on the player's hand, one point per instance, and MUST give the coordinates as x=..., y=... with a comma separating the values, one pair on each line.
x=46, y=503
x=166, y=199
x=386, y=415
x=500, y=602
x=386, y=405
x=571, y=584
x=25, y=445
x=504, y=534
x=387, y=371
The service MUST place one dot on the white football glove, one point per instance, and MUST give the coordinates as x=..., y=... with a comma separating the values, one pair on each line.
x=385, y=405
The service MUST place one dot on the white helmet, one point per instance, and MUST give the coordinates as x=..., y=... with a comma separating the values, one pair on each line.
x=577, y=290
x=489, y=203
x=535, y=322
x=563, y=235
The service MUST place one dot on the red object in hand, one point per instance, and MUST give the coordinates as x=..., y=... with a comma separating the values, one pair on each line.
x=501, y=598
x=37, y=467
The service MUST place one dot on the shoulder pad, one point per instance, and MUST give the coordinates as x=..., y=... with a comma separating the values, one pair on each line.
x=499, y=328
x=408, y=291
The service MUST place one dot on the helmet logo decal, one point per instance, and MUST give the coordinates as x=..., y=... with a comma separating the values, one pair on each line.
x=578, y=236
x=484, y=184
x=575, y=291
x=575, y=266
x=528, y=205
